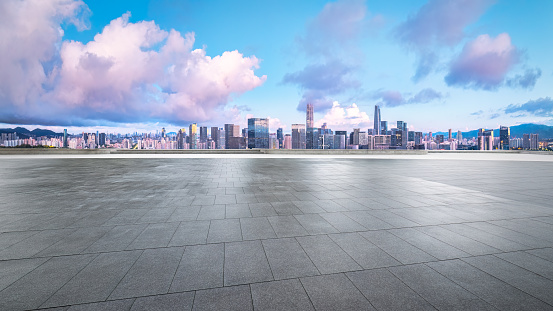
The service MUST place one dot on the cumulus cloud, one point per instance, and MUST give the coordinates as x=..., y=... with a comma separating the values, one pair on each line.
x=130, y=72
x=483, y=63
x=344, y=117
x=438, y=23
x=542, y=107
x=275, y=124
x=526, y=80
x=395, y=98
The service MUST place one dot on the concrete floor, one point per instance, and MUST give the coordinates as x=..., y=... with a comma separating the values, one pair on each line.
x=276, y=234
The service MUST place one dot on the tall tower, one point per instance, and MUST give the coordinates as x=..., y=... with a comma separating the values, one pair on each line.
x=377, y=128
x=65, y=145
x=309, y=116
x=193, y=136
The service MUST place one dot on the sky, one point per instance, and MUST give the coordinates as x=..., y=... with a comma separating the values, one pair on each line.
x=138, y=65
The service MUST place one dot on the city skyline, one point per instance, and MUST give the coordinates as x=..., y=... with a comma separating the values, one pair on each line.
x=142, y=65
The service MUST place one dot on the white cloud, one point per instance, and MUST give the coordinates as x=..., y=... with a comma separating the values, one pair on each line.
x=129, y=73
x=345, y=118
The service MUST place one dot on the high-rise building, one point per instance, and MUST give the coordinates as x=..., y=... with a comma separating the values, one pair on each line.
x=459, y=136
x=449, y=137
x=231, y=130
x=411, y=136
x=258, y=133
x=298, y=136
x=163, y=132
x=383, y=127
x=193, y=136
x=534, y=142
x=215, y=137
x=418, y=138
x=309, y=116
x=65, y=138
x=504, y=137
x=313, y=139
x=102, y=139
x=340, y=140
x=525, y=141
x=180, y=139
x=377, y=129
x=287, y=144
x=280, y=138
x=203, y=134
x=355, y=137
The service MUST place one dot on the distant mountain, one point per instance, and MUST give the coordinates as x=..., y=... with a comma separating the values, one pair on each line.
x=25, y=132
x=544, y=131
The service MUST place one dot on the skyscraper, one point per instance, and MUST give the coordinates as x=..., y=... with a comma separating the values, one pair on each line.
x=280, y=138
x=298, y=136
x=180, y=139
x=65, y=138
x=193, y=135
x=449, y=137
x=215, y=137
x=203, y=134
x=383, y=127
x=377, y=125
x=258, y=133
x=459, y=136
x=231, y=130
x=504, y=137
x=309, y=116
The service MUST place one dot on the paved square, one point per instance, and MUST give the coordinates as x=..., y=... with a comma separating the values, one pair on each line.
x=271, y=233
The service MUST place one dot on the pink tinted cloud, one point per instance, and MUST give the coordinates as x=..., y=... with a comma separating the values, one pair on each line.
x=483, y=62
x=130, y=72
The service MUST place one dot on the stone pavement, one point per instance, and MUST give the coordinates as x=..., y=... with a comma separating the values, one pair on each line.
x=275, y=234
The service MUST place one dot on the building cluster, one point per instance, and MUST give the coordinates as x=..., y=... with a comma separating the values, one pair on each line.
x=303, y=136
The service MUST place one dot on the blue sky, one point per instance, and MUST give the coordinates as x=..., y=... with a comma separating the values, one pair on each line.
x=135, y=65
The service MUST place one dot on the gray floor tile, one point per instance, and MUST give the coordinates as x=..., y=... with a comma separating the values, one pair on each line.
x=334, y=292
x=461, y=242
x=99, y=278
x=190, y=233
x=32, y=290
x=367, y=220
x=256, y=228
x=514, y=275
x=499, y=294
x=315, y=224
x=286, y=208
x=308, y=207
x=530, y=262
x=151, y=274
x=262, y=209
x=178, y=301
x=396, y=247
x=288, y=259
x=342, y=222
x=386, y=292
x=327, y=256
x=225, y=298
x=224, y=230
x=116, y=239
x=117, y=305
x=201, y=267
x=155, y=235
x=245, y=262
x=286, y=226
x=280, y=296
x=209, y=212
x=237, y=211
x=13, y=270
x=441, y=292
x=428, y=244
x=366, y=254
x=34, y=244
